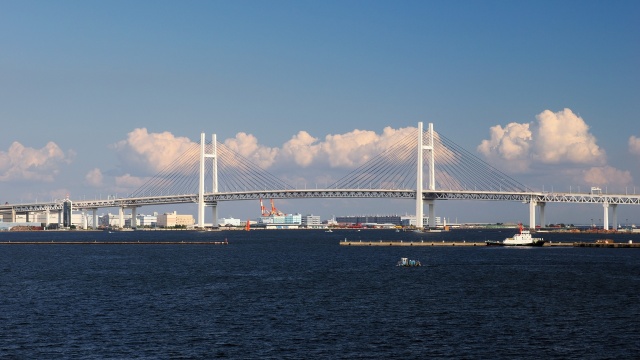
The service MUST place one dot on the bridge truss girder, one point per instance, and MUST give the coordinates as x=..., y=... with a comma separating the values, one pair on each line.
x=211, y=198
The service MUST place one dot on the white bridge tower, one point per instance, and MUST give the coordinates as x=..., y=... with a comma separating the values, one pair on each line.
x=419, y=180
x=203, y=155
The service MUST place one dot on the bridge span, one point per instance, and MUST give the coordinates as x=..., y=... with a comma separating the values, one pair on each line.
x=450, y=182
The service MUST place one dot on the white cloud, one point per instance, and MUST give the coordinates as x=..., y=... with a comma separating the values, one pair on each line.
x=563, y=137
x=150, y=151
x=247, y=146
x=338, y=150
x=607, y=176
x=511, y=143
x=302, y=148
x=634, y=145
x=25, y=163
x=127, y=181
x=94, y=178
x=555, y=138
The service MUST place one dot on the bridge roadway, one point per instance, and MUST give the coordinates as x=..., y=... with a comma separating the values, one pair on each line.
x=211, y=198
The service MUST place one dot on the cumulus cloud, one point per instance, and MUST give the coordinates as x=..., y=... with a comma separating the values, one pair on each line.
x=94, y=178
x=25, y=163
x=554, y=138
x=607, y=176
x=634, y=145
x=302, y=148
x=511, y=143
x=127, y=181
x=247, y=146
x=559, y=143
x=338, y=150
x=150, y=152
x=563, y=137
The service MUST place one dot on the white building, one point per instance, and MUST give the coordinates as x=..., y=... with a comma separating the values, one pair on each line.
x=168, y=220
x=288, y=221
x=229, y=222
x=410, y=220
x=113, y=220
x=311, y=222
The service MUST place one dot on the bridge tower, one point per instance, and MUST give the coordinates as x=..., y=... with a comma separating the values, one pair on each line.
x=214, y=157
x=419, y=178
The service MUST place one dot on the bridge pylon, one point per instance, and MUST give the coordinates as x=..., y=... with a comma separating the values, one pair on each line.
x=203, y=156
x=419, y=177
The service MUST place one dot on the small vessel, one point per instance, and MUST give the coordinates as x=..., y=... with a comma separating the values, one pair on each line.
x=329, y=230
x=524, y=238
x=405, y=262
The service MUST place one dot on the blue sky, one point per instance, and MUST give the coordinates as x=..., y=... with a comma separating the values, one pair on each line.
x=77, y=78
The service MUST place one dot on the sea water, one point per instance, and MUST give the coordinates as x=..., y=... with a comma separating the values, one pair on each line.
x=289, y=294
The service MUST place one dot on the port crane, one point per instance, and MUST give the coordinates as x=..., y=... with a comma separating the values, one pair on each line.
x=272, y=212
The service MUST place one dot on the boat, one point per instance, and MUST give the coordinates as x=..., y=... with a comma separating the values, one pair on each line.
x=329, y=230
x=524, y=238
x=405, y=262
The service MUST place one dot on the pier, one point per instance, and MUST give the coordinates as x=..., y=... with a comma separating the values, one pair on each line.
x=464, y=243
x=114, y=243
x=408, y=243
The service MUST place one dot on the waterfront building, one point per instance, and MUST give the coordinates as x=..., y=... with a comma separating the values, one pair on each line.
x=398, y=220
x=285, y=221
x=173, y=219
x=229, y=222
x=311, y=222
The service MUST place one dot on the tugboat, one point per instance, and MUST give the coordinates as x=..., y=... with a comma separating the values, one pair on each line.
x=405, y=262
x=522, y=239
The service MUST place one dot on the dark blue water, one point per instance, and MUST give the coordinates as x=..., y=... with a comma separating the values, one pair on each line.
x=298, y=294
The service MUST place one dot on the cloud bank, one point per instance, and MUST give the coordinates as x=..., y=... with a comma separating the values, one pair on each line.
x=21, y=163
x=143, y=152
x=554, y=139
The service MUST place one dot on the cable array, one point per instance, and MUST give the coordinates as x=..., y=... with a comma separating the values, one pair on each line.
x=455, y=169
x=236, y=173
x=179, y=177
x=458, y=169
x=394, y=168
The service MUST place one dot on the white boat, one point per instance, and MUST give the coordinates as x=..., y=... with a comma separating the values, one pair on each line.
x=524, y=238
x=405, y=262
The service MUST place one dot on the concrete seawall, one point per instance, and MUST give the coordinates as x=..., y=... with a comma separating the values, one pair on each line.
x=464, y=243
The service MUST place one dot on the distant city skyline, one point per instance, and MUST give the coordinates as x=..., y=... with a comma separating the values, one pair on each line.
x=97, y=97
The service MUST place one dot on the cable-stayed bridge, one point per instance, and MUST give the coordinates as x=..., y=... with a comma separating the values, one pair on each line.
x=415, y=162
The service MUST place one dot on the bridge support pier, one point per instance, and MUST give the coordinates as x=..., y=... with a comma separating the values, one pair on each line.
x=46, y=218
x=605, y=216
x=134, y=217
x=95, y=219
x=432, y=214
x=121, y=217
x=214, y=212
x=532, y=214
x=85, y=222
x=614, y=213
x=542, y=219
x=59, y=218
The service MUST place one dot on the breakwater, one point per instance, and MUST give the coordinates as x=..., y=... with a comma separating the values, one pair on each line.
x=466, y=243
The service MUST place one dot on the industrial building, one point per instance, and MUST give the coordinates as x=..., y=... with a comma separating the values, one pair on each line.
x=168, y=220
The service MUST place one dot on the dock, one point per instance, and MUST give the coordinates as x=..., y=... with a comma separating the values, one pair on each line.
x=464, y=243
x=408, y=243
x=114, y=243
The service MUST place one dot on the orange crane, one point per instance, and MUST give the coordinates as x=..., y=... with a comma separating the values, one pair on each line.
x=273, y=212
x=263, y=210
